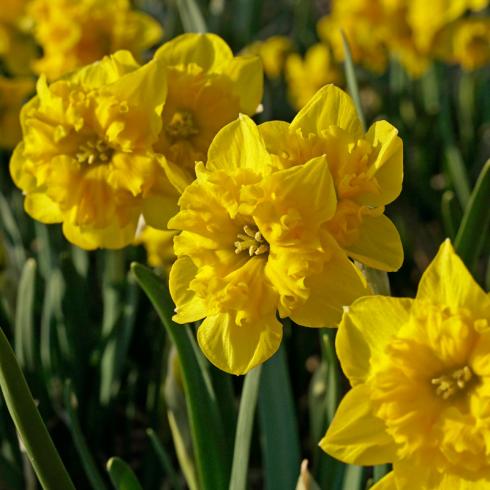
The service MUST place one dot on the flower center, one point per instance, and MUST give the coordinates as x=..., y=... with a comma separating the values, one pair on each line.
x=251, y=240
x=181, y=126
x=94, y=151
x=449, y=385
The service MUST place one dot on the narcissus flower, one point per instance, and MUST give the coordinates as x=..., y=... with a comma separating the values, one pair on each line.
x=252, y=245
x=367, y=171
x=159, y=246
x=207, y=88
x=305, y=76
x=86, y=159
x=13, y=92
x=273, y=52
x=420, y=376
x=74, y=33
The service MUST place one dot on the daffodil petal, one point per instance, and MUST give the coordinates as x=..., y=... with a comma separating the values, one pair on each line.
x=379, y=245
x=42, y=208
x=447, y=281
x=386, y=483
x=190, y=307
x=366, y=327
x=275, y=134
x=239, y=145
x=337, y=285
x=237, y=349
x=356, y=435
x=330, y=106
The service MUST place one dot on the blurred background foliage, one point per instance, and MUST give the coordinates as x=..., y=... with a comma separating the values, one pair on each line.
x=104, y=372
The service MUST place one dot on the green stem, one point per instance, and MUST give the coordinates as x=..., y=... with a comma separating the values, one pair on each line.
x=35, y=437
x=241, y=453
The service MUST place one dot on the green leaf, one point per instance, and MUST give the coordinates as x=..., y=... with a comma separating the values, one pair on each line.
x=350, y=75
x=451, y=214
x=279, y=429
x=206, y=428
x=353, y=478
x=191, y=16
x=122, y=475
x=88, y=462
x=473, y=230
x=243, y=437
x=30, y=426
x=25, y=339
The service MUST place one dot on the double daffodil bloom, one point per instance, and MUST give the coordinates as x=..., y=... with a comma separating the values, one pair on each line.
x=420, y=376
x=367, y=171
x=74, y=33
x=86, y=159
x=273, y=52
x=158, y=245
x=253, y=245
x=207, y=88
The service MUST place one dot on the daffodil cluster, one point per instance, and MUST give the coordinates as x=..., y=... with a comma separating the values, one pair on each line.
x=413, y=31
x=420, y=376
x=116, y=141
x=268, y=227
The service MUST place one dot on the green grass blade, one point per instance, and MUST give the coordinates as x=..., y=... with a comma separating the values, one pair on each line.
x=278, y=426
x=450, y=212
x=191, y=16
x=86, y=458
x=164, y=460
x=243, y=437
x=476, y=220
x=350, y=76
x=35, y=437
x=25, y=341
x=353, y=478
x=122, y=475
x=206, y=428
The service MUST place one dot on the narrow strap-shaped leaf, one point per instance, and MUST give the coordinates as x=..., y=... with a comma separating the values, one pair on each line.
x=191, y=16
x=87, y=460
x=278, y=427
x=30, y=426
x=350, y=76
x=122, y=476
x=243, y=437
x=476, y=220
x=451, y=214
x=353, y=477
x=206, y=428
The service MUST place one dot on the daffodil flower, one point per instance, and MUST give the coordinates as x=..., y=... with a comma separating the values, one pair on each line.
x=253, y=245
x=367, y=171
x=420, y=376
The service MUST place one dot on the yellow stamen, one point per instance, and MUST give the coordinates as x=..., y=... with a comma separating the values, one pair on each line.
x=94, y=151
x=449, y=385
x=252, y=241
x=181, y=126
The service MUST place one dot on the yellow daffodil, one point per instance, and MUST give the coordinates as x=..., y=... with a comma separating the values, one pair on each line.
x=74, y=33
x=13, y=92
x=207, y=89
x=367, y=171
x=159, y=246
x=252, y=245
x=86, y=158
x=306, y=76
x=273, y=52
x=420, y=376
x=467, y=43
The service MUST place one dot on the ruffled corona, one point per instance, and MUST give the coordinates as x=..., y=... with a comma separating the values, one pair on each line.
x=252, y=244
x=207, y=88
x=367, y=171
x=85, y=159
x=420, y=375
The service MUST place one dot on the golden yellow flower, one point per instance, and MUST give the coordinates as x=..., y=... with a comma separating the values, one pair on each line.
x=252, y=245
x=467, y=42
x=420, y=376
x=306, y=76
x=86, y=159
x=207, y=89
x=367, y=171
x=273, y=52
x=13, y=93
x=74, y=33
x=159, y=246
